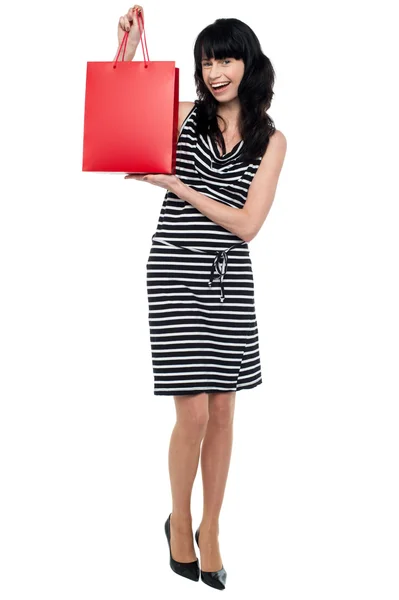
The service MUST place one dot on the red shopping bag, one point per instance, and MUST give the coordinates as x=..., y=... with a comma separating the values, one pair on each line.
x=131, y=115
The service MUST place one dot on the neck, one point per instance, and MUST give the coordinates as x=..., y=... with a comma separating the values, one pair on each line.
x=230, y=110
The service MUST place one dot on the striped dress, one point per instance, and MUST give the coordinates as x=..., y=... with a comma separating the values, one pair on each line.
x=203, y=328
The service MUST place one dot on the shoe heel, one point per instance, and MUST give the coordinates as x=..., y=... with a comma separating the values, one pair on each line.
x=189, y=570
x=215, y=579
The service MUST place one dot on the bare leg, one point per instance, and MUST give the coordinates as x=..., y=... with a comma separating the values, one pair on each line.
x=184, y=452
x=215, y=462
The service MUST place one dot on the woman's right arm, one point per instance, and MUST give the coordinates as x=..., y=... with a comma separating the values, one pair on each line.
x=129, y=22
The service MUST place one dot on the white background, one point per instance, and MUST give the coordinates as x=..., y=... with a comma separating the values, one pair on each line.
x=310, y=509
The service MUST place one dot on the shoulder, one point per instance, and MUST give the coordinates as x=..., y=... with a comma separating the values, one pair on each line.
x=278, y=142
x=273, y=159
x=184, y=110
x=275, y=152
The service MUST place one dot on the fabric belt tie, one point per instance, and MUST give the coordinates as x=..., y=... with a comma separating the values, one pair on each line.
x=219, y=262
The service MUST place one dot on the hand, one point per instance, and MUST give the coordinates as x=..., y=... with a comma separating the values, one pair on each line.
x=170, y=182
x=129, y=22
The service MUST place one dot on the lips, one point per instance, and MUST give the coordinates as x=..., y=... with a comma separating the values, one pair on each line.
x=219, y=90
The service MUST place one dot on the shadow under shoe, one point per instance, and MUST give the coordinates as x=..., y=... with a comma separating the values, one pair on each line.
x=215, y=579
x=189, y=570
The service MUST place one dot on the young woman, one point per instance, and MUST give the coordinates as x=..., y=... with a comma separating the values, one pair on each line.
x=202, y=318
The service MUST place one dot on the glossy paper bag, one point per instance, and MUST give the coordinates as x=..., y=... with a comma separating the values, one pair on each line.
x=131, y=115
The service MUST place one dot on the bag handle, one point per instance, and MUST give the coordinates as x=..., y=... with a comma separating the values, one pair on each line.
x=124, y=43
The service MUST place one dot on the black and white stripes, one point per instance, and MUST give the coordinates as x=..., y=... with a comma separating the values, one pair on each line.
x=203, y=328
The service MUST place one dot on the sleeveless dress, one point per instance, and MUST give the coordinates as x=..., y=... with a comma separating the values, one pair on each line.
x=200, y=287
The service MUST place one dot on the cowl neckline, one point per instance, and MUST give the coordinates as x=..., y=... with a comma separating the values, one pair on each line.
x=217, y=151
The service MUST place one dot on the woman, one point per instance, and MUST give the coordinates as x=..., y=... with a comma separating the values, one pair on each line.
x=204, y=337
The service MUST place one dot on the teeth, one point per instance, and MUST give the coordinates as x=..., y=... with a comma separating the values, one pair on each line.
x=220, y=84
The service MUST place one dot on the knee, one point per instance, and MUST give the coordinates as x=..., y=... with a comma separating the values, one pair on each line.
x=221, y=409
x=194, y=425
x=192, y=415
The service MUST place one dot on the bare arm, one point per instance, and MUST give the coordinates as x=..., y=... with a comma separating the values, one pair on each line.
x=130, y=23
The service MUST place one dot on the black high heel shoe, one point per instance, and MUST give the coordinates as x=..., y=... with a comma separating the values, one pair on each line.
x=190, y=569
x=216, y=579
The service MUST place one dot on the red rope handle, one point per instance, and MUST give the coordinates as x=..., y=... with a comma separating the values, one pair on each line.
x=124, y=43
x=142, y=34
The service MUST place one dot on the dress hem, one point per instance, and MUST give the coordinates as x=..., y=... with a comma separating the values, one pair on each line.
x=208, y=391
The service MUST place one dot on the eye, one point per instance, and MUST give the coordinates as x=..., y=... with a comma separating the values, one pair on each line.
x=224, y=60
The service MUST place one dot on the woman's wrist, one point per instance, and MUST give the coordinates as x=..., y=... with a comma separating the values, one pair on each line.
x=129, y=53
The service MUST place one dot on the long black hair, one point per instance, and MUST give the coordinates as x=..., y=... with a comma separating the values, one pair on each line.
x=233, y=38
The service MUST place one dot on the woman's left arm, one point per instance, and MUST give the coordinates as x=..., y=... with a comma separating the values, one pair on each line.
x=264, y=184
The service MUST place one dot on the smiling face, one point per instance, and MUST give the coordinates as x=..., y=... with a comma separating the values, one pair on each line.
x=223, y=70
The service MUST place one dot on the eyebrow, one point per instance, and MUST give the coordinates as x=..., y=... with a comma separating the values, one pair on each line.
x=202, y=59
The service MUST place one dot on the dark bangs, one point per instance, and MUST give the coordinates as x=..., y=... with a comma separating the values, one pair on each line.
x=216, y=41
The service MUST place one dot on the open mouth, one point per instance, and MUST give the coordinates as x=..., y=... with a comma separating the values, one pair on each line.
x=220, y=87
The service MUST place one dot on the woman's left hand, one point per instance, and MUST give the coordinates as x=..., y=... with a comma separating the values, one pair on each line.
x=168, y=182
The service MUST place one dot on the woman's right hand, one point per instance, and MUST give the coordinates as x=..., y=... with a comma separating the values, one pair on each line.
x=129, y=22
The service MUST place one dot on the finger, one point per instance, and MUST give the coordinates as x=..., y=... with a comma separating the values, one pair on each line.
x=131, y=15
x=138, y=11
x=127, y=24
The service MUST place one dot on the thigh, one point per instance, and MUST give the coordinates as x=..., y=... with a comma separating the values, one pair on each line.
x=192, y=408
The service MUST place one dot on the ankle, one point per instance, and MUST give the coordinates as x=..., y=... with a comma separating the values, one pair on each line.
x=181, y=521
x=209, y=527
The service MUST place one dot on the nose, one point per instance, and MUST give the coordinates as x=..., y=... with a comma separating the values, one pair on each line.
x=214, y=73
